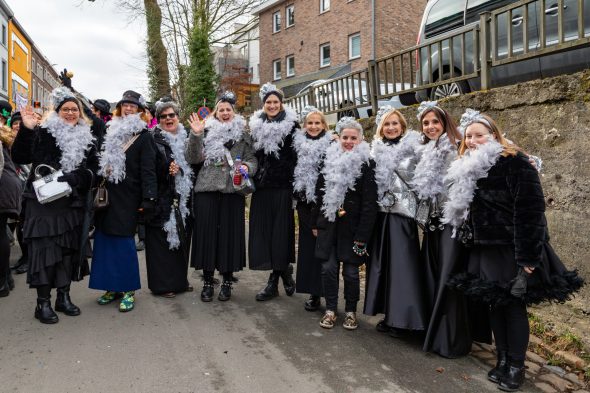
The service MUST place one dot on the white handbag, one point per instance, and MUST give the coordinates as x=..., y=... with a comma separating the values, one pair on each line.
x=47, y=188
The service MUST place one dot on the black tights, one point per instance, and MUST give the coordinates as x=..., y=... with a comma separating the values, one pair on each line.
x=208, y=275
x=510, y=325
x=4, y=251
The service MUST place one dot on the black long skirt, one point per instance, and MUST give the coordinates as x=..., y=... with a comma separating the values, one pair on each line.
x=219, y=235
x=166, y=269
x=396, y=283
x=491, y=269
x=448, y=332
x=309, y=268
x=271, y=243
x=53, y=235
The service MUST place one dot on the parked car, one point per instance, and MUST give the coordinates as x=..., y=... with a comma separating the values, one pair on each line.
x=444, y=16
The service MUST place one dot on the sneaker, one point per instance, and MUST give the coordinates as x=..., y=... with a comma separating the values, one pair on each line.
x=328, y=320
x=127, y=302
x=350, y=322
x=108, y=297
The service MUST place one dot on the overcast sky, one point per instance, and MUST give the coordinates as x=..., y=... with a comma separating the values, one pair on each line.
x=97, y=42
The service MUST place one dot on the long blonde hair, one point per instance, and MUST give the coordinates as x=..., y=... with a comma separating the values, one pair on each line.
x=510, y=149
x=80, y=108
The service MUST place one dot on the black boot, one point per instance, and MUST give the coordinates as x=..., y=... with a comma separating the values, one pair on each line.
x=207, y=292
x=64, y=304
x=4, y=289
x=10, y=280
x=312, y=304
x=501, y=368
x=513, y=379
x=44, y=313
x=22, y=268
x=271, y=290
x=288, y=281
x=225, y=291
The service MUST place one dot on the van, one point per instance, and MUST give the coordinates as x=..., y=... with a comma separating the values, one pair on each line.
x=443, y=16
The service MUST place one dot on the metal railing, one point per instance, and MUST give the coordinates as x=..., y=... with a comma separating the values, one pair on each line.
x=466, y=53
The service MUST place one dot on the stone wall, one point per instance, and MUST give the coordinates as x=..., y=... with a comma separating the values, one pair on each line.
x=551, y=119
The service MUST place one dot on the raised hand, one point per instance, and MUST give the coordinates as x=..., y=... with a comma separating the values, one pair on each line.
x=29, y=119
x=197, y=125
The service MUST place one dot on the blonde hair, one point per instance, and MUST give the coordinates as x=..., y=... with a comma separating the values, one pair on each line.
x=387, y=115
x=214, y=112
x=78, y=104
x=119, y=113
x=510, y=149
x=322, y=119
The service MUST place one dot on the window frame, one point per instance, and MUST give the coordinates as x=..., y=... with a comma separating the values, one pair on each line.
x=290, y=71
x=288, y=8
x=350, y=38
x=323, y=7
x=276, y=22
x=274, y=70
x=322, y=46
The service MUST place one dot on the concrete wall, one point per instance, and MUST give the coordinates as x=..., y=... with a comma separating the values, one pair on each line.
x=550, y=118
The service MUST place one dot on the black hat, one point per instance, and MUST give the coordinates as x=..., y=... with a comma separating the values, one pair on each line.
x=15, y=117
x=103, y=106
x=132, y=97
x=5, y=109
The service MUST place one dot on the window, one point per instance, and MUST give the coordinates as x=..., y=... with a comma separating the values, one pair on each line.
x=290, y=16
x=4, y=35
x=276, y=70
x=34, y=66
x=324, y=55
x=290, y=65
x=324, y=5
x=4, y=75
x=276, y=22
x=354, y=46
x=444, y=15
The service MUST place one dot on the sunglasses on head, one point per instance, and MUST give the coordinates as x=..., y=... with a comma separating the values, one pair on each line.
x=167, y=116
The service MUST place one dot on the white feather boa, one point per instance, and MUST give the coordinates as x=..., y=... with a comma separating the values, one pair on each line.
x=73, y=140
x=218, y=134
x=432, y=168
x=463, y=175
x=183, y=182
x=309, y=158
x=388, y=157
x=269, y=135
x=341, y=171
x=112, y=159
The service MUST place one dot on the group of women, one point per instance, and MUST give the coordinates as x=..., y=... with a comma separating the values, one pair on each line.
x=484, y=253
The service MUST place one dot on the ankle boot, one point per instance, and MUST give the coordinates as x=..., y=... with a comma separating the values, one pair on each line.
x=64, y=304
x=225, y=291
x=44, y=313
x=501, y=368
x=10, y=280
x=207, y=292
x=312, y=304
x=271, y=290
x=288, y=281
x=513, y=379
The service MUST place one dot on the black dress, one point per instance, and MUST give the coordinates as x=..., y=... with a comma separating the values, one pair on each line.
x=309, y=268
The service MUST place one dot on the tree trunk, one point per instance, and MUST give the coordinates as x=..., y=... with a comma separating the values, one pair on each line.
x=159, y=75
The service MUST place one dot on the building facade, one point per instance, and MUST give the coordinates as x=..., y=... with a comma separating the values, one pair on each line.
x=305, y=40
x=19, y=65
x=44, y=79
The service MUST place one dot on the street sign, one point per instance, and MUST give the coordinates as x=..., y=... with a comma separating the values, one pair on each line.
x=203, y=112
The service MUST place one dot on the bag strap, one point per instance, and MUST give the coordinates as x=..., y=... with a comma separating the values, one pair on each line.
x=130, y=142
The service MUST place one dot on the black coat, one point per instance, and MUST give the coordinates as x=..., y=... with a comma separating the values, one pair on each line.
x=509, y=209
x=10, y=187
x=125, y=197
x=357, y=224
x=277, y=172
x=38, y=147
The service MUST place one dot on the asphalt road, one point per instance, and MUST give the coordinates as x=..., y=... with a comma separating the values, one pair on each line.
x=185, y=345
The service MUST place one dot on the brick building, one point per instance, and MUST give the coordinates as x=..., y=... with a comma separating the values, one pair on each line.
x=44, y=80
x=305, y=40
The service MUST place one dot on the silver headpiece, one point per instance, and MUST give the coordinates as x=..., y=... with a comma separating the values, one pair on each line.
x=306, y=111
x=228, y=96
x=469, y=117
x=59, y=94
x=425, y=105
x=268, y=88
x=348, y=122
x=382, y=111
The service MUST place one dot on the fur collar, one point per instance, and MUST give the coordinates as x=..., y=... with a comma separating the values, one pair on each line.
x=309, y=158
x=72, y=141
x=463, y=175
x=341, y=171
x=218, y=134
x=268, y=135
x=432, y=167
x=112, y=159
x=388, y=158
x=183, y=182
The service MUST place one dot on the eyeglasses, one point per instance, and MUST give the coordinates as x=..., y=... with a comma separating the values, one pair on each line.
x=167, y=116
x=69, y=110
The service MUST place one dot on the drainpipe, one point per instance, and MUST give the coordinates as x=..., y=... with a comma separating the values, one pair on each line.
x=373, y=29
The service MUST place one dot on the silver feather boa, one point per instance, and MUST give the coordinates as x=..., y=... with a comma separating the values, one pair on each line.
x=432, y=168
x=112, y=159
x=463, y=175
x=309, y=155
x=73, y=140
x=269, y=136
x=183, y=182
x=341, y=171
x=389, y=157
x=218, y=134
